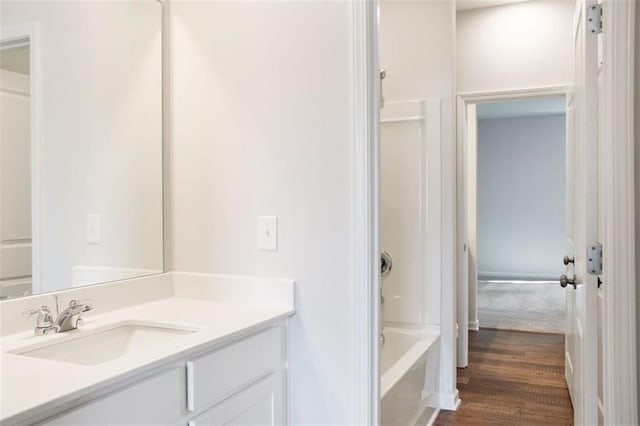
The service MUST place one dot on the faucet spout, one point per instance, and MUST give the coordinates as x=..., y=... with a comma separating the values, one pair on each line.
x=71, y=317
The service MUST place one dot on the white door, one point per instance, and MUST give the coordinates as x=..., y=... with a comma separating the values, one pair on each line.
x=581, y=360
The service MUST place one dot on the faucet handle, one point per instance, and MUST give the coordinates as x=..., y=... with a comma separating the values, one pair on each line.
x=78, y=302
x=44, y=314
x=44, y=324
x=74, y=302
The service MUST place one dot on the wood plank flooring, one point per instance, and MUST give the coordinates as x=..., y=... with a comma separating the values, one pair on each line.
x=513, y=378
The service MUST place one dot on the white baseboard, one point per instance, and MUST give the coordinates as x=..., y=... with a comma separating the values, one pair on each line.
x=446, y=401
x=433, y=417
x=474, y=325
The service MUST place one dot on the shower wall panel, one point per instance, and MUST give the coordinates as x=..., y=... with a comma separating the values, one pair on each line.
x=401, y=211
x=410, y=173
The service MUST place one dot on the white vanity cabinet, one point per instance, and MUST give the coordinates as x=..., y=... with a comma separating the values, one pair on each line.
x=260, y=404
x=241, y=382
x=156, y=400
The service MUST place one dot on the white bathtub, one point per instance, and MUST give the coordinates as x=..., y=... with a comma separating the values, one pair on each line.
x=406, y=360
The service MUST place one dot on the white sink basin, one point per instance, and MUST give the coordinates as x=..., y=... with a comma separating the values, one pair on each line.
x=106, y=345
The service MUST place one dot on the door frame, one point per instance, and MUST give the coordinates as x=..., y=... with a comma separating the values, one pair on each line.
x=466, y=321
x=619, y=359
x=16, y=32
x=365, y=224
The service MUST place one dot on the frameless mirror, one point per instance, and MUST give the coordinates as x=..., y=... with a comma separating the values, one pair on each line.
x=80, y=143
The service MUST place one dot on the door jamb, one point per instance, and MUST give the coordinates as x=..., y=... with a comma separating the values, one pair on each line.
x=365, y=240
x=619, y=363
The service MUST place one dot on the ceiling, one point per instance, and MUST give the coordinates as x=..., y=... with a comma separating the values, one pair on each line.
x=479, y=4
x=523, y=108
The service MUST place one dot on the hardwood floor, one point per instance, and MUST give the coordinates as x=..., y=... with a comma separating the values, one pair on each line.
x=513, y=378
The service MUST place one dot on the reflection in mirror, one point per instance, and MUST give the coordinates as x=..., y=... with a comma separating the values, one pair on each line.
x=81, y=143
x=15, y=168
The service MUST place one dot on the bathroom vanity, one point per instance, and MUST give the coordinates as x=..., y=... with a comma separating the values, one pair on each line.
x=95, y=330
x=208, y=350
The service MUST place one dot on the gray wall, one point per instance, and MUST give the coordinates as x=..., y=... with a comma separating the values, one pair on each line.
x=521, y=197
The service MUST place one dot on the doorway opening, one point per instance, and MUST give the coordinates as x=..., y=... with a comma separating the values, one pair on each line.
x=512, y=174
x=516, y=217
x=516, y=164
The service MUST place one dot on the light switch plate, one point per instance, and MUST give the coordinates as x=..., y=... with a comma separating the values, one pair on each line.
x=93, y=229
x=268, y=233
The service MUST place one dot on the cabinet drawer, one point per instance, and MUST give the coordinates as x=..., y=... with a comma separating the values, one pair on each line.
x=221, y=373
x=260, y=404
x=158, y=400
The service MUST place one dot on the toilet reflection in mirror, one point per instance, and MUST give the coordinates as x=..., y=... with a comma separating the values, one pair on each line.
x=81, y=143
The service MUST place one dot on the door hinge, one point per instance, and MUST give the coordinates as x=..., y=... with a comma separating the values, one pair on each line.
x=594, y=19
x=594, y=259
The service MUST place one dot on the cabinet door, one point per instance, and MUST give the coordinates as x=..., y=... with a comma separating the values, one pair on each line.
x=259, y=404
x=159, y=400
x=217, y=375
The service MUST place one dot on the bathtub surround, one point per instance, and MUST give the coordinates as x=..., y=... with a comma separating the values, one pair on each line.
x=410, y=168
x=409, y=364
x=417, y=50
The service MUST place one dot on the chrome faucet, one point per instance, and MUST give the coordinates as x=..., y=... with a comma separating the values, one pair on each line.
x=70, y=318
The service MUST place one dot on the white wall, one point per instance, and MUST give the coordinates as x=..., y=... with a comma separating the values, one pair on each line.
x=100, y=132
x=515, y=46
x=261, y=124
x=521, y=197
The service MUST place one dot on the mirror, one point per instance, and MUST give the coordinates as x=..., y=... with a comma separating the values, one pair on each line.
x=80, y=143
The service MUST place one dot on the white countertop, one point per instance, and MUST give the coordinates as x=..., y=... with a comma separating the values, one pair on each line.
x=31, y=386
